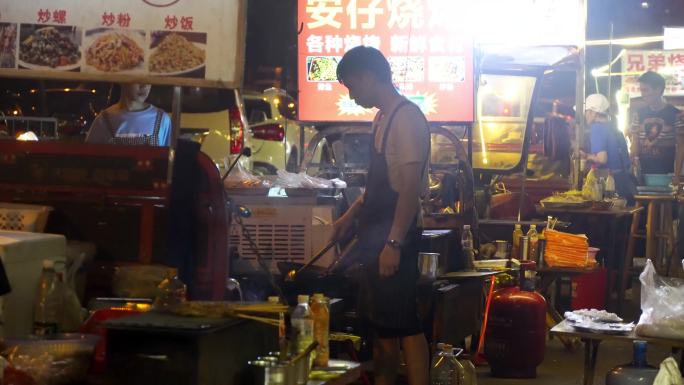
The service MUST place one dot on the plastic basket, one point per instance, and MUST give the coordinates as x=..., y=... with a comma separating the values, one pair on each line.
x=23, y=217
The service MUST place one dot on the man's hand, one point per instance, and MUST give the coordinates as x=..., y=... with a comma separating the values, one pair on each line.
x=389, y=261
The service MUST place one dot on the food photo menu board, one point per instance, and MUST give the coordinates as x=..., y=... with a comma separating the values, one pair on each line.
x=178, y=42
x=425, y=41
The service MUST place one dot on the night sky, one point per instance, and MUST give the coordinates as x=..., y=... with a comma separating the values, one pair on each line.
x=272, y=32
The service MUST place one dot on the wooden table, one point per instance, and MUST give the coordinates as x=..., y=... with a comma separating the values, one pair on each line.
x=593, y=340
x=613, y=216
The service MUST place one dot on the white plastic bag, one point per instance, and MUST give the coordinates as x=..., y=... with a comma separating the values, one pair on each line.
x=669, y=373
x=662, y=305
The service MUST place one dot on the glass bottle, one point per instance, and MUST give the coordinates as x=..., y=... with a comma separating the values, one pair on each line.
x=467, y=247
x=533, y=237
x=515, y=243
x=282, y=337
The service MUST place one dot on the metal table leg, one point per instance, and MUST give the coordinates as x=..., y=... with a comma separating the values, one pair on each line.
x=590, y=355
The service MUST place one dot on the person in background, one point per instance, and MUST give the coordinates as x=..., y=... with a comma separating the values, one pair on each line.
x=389, y=216
x=608, y=146
x=132, y=120
x=653, y=129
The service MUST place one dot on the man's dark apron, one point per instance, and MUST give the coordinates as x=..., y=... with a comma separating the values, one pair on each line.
x=142, y=140
x=385, y=302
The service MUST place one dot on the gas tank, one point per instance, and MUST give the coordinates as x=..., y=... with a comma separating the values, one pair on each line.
x=515, y=338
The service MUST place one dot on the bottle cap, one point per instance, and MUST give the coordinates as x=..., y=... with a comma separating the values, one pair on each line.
x=273, y=299
x=518, y=226
x=533, y=227
x=303, y=298
x=48, y=264
x=466, y=227
x=318, y=296
x=447, y=348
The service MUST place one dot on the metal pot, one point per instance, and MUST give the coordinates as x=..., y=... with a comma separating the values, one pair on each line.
x=427, y=265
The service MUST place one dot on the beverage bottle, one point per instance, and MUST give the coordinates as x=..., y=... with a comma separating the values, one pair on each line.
x=515, y=242
x=533, y=237
x=282, y=338
x=45, y=309
x=321, y=315
x=609, y=192
x=444, y=368
x=467, y=246
x=302, y=334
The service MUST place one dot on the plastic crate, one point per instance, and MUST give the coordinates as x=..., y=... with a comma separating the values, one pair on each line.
x=23, y=217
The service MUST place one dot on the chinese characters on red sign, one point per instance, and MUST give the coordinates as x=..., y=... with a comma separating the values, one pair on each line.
x=431, y=58
x=670, y=64
x=172, y=22
x=56, y=16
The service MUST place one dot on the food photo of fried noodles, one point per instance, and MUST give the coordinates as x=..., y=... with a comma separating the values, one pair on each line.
x=176, y=54
x=114, y=52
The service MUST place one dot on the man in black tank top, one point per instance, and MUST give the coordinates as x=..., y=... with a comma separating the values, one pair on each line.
x=389, y=216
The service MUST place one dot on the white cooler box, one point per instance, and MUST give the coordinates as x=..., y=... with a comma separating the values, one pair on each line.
x=22, y=254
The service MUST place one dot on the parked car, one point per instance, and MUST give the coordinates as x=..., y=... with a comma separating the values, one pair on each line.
x=214, y=117
x=278, y=140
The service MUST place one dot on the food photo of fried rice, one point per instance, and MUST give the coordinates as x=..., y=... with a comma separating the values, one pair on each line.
x=176, y=54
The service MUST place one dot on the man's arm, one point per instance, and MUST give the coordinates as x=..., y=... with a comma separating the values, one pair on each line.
x=98, y=132
x=409, y=193
x=344, y=224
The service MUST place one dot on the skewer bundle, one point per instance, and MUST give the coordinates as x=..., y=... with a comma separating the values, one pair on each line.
x=263, y=312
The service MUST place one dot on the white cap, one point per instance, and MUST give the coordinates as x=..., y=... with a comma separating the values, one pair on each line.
x=466, y=227
x=597, y=103
x=48, y=264
x=303, y=298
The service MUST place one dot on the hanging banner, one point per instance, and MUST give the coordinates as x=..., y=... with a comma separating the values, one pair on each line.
x=177, y=42
x=669, y=64
x=426, y=43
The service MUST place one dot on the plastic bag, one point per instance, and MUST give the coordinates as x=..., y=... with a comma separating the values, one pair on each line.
x=669, y=373
x=302, y=180
x=662, y=305
x=240, y=177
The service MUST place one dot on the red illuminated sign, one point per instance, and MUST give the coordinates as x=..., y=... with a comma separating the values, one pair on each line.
x=431, y=58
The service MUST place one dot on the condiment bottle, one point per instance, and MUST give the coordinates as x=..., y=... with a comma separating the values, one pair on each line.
x=282, y=337
x=533, y=237
x=515, y=244
x=321, y=315
x=467, y=245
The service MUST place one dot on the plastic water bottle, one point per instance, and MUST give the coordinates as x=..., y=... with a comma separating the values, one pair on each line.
x=45, y=310
x=467, y=245
x=445, y=369
x=469, y=373
x=302, y=334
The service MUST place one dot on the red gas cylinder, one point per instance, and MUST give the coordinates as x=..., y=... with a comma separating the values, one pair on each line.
x=515, y=338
